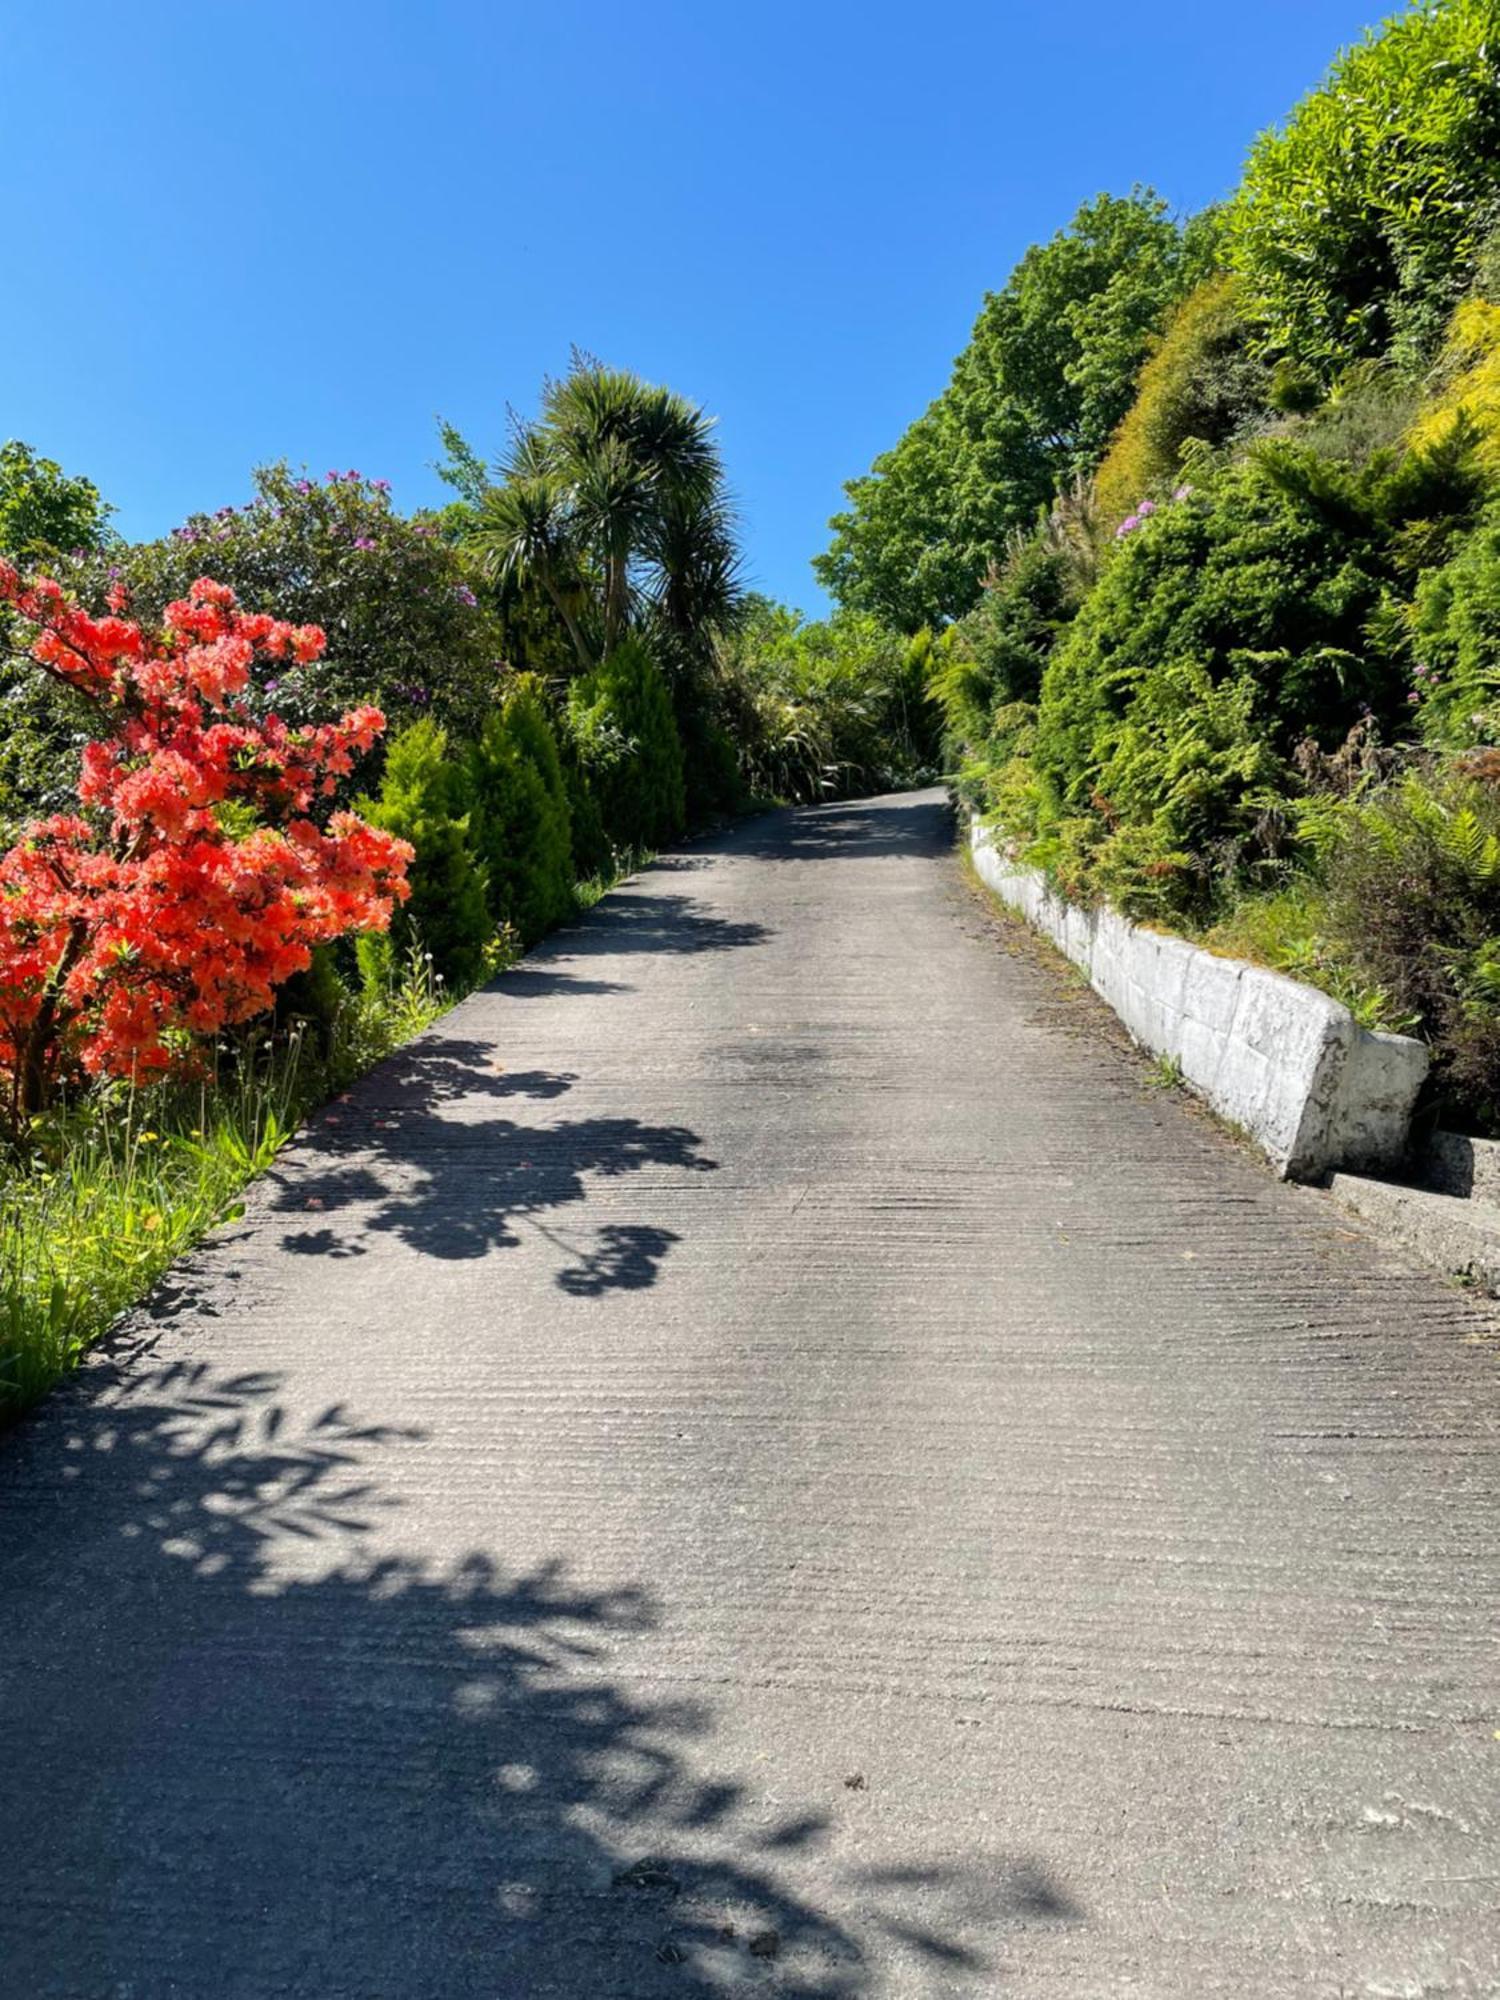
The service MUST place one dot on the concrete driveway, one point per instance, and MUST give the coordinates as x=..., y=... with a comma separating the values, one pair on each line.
x=761, y=1456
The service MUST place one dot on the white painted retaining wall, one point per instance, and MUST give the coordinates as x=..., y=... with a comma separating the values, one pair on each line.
x=1292, y=1067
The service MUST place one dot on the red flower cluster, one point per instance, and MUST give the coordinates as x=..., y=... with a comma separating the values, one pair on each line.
x=199, y=882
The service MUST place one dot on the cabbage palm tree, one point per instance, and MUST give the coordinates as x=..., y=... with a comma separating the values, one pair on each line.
x=613, y=502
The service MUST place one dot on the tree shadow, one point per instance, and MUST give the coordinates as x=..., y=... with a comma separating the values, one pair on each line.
x=250, y=1751
x=412, y=1152
x=917, y=826
x=627, y=921
x=648, y=921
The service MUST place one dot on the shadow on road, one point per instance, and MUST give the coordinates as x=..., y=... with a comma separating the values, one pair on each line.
x=245, y=1755
x=651, y=921
x=919, y=826
x=461, y=1186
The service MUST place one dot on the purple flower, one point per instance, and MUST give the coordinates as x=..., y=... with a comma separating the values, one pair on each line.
x=381, y=485
x=465, y=595
x=1183, y=493
x=1146, y=507
x=364, y=542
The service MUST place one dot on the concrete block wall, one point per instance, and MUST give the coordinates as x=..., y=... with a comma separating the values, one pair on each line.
x=1286, y=1063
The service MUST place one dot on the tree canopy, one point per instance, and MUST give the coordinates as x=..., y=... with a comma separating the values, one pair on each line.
x=1048, y=374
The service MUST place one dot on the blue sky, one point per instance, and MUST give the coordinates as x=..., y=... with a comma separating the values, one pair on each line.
x=242, y=229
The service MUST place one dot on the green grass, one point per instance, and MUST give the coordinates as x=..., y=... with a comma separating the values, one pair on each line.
x=1283, y=930
x=630, y=861
x=113, y=1189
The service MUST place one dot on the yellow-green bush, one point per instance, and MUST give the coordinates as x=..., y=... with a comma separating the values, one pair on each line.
x=1201, y=382
x=1468, y=384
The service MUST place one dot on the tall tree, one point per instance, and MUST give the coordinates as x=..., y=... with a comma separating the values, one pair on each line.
x=613, y=505
x=1048, y=373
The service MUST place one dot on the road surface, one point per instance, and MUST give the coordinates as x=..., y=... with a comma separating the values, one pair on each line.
x=761, y=1456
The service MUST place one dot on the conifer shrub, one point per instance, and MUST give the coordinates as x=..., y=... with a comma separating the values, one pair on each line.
x=1455, y=623
x=621, y=720
x=593, y=850
x=715, y=785
x=427, y=798
x=1201, y=384
x=522, y=825
x=1229, y=627
x=1028, y=601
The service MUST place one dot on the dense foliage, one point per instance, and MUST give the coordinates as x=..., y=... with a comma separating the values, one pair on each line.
x=624, y=735
x=1201, y=385
x=403, y=618
x=46, y=514
x=824, y=708
x=1206, y=527
x=1047, y=376
x=1357, y=224
x=1412, y=905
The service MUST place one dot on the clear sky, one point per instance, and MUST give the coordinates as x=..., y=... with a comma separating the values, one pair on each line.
x=238, y=230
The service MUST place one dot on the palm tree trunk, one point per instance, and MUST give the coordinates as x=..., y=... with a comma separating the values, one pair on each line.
x=575, y=632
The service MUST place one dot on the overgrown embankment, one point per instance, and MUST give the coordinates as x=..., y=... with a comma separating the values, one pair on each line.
x=1208, y=523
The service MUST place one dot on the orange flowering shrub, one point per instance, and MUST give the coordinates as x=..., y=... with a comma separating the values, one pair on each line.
x=196, y=879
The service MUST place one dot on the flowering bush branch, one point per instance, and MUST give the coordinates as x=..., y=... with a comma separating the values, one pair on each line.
x=196, y=880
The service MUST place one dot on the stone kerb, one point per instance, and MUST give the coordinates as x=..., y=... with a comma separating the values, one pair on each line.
x=1285, y=1062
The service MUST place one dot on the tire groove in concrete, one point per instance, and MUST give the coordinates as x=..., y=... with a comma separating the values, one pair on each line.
x=762, y=1428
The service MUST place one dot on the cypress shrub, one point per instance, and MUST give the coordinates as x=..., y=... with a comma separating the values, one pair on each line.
x=522, y=823
x=427, y=797
x=1201, y=383
x=593, y=851
x=620, y=717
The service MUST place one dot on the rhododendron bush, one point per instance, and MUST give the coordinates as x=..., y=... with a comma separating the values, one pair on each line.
x=197, y=877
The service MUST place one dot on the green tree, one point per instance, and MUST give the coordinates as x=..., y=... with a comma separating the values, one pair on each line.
x=427, y=797
x=522, y=821
x=621, y=721
x=612, y=505
x=45, y=515
x=45, y=511
x=1358, y=222
x=1048, y=374
x=1228, y=628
